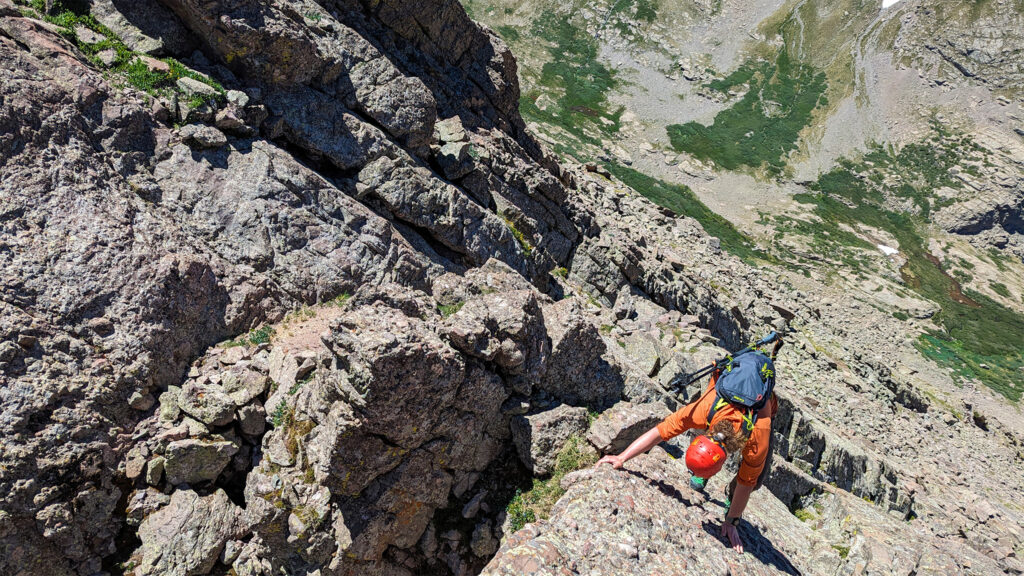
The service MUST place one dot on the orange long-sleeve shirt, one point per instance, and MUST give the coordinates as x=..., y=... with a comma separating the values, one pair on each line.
x=695, y=415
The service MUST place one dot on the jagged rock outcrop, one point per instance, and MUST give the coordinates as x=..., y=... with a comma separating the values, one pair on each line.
x=188, y=534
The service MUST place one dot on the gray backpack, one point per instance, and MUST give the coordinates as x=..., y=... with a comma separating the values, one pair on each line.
x=747, y=383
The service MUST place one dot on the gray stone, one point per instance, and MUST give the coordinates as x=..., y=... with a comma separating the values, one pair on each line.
x=539, y=437
x=252, y=419
x=617, y=427
x=207, y=403
x=577, y=371
x=483, y=543
x=232, y=548
x=284, y=368
x=193, y=87
x=187, y=535
x=9, y=351
x=195, y=428
x=142, y=503
x=146, y=27
x=141, y=401
x=472, y=508
x=135, y=462
x=450, y=130
x=169, y=410
x=155, y=471
x=504, y=328
x=233, y=355
x=279, y=448
x=644, y=353
x=87, y=36
x=203, y=136
x=108, y=57
x=238, y=98
x=244, y=384
x=192, y=461
x=455, y=159
x=229, y=120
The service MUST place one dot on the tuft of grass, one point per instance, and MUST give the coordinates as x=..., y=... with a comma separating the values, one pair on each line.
x=524, y=243
x=804, y=515
x=561, y=272
x=520, y=513
x=447, y=310
x=281, y=414
x=536, y=503
x=1000, y=288
x=294, y=429
x=255, y=337
x=844, y=551
x=762, y=128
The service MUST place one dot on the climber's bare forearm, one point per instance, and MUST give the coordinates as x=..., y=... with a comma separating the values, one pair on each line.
x=740, y=497
x=639, y=446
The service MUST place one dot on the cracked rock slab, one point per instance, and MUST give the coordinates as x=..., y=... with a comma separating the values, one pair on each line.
x=186, y=536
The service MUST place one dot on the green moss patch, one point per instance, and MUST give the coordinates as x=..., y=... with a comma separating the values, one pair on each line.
x=574, y=80
x=763, y=127
x=536, y=503
x=682, y=200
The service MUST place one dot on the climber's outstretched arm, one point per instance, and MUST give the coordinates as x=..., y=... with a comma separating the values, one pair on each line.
x=639, y=446
x=740, y=497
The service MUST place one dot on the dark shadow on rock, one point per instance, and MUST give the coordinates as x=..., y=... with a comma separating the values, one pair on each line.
x=673, y=450
x=756, y=544
x=662, y=486
x=157, y=21
x=216, y=157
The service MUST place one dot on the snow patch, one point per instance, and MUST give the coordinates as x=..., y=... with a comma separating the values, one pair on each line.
x=887, y=3
x=888, y=250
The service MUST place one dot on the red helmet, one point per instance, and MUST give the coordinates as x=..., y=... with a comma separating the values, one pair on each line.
x=705, y=457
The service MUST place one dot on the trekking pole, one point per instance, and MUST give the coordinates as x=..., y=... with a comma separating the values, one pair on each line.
x=677, y=381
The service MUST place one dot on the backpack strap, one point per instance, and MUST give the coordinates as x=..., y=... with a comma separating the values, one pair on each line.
x=749, y=416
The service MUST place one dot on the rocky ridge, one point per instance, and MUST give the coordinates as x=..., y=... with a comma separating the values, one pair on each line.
x=368, y=162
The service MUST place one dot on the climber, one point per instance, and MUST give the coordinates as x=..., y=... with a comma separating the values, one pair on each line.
x=731, y=426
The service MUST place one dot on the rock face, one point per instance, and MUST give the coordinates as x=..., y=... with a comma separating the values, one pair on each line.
x=585, y=376
x=300, y=320
x=194, y=461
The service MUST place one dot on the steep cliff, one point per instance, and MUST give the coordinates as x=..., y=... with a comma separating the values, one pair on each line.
x=288, y=287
